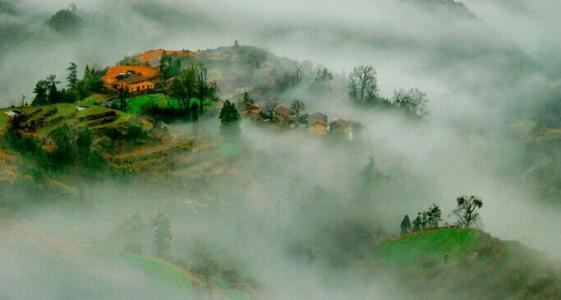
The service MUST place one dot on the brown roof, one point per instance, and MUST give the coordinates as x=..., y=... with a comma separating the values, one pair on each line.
x=339, y=123
x=317, y=118
x=283, y=111
x=113, y=72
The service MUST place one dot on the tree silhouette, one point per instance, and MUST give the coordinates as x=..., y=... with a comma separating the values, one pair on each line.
x=405, y=225
x=162, y=235
x=467, y=210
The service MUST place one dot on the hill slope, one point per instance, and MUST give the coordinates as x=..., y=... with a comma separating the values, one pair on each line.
x=455, y=263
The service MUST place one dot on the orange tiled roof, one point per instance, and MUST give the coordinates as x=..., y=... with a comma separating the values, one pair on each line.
x=112, y=73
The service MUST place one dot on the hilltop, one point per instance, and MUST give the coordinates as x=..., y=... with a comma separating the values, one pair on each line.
x=453, y=263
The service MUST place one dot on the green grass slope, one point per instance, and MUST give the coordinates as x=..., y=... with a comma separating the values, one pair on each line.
x=453, y=263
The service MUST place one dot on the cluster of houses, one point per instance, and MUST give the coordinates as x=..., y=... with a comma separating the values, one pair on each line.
x=316, y=123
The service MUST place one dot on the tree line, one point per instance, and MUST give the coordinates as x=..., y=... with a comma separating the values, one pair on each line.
x=47, y=91
x=467, y=212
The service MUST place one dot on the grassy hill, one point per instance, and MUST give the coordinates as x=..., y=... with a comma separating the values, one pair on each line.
x=94, y=272
x=453, y=263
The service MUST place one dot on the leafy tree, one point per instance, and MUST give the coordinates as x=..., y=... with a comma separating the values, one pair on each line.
x=322, y=80
x=123, y=95
x=170, y=66
x=90, y=83
x=229, y=114
x=41, y=93
x=206, y=266
x=467, y=210
x=414, y=101
x=53, y=93
x=405, y=225
x=424, y=220
x=64, y=152
x=417, y=223
x=297, y=106
x=434, y=216
x=85, y=139
x=162, y=235
x=72, y=77
x=269, y=108
x=192, y=82
x=371, y=174
x=363, y=84
x=247, y=99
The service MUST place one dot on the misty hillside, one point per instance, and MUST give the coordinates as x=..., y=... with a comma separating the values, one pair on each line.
x=372, y=149
x=462, y=264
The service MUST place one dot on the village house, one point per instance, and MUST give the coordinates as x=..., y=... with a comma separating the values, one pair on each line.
x=253, y=111
x=133, y=79
x=344, y=129
x=136, y=84
x=341, y=128
x=283, y=115
x=317, y=124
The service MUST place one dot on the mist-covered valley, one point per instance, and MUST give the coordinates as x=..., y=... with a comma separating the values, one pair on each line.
x=272, y=150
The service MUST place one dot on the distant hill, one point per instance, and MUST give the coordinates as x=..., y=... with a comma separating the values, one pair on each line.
x=453, y=7
x=455, y=263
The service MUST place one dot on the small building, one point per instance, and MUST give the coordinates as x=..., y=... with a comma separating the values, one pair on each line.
x=253, y=111
x=317, y=124
x=283, y=115
x=341, y=128
x=344, y=129
x=136, y=84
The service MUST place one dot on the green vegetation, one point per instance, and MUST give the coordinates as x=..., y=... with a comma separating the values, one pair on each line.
x=160, y=270
x=139, y=105
x=449, y=263
x=410, y=250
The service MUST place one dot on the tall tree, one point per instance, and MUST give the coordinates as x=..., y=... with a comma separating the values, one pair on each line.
x=41, y=93
x=363, y=84
x=72, y=77
x=321, y=82
x=405, y=225
x=298, y=107
x=183, y=87
x=434, y=215
x=170, y=66
x=467, y=210
x=123, y=98
x=247, y=99
x=269, y=108
x=54, y=94
x=206, y=266
x=162, y=235
x=229, y=114
x=417, y=223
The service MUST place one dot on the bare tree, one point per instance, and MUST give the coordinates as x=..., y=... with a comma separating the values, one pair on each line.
x=269, y=108
x=206, y=266
x=467, y=210
x=297, y=106
x=363, y=84
x=413, y=101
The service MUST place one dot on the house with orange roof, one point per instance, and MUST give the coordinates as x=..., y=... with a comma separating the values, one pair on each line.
x=134, y=79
